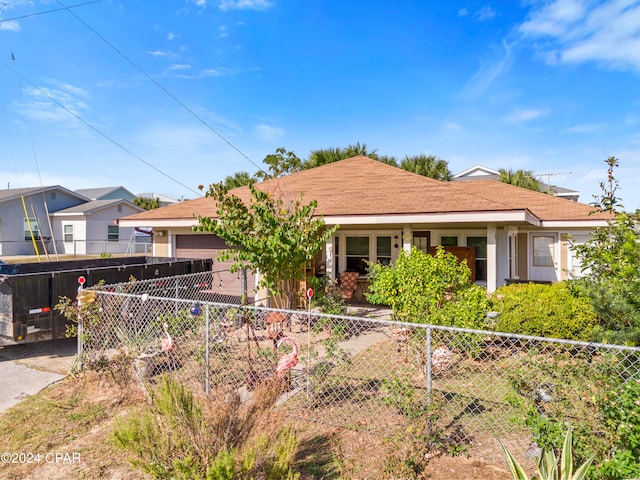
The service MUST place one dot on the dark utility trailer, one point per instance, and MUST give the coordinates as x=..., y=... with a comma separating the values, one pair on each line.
x=29, y=292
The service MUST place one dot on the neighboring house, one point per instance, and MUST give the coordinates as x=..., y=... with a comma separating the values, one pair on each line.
x=479, y=172
x=24, y=217
x=53, y=219
x=505, y=232
x=107, y=193
x=92, y=228
x=163, y=199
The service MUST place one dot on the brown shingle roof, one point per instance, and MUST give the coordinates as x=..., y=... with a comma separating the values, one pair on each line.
x=362, y=186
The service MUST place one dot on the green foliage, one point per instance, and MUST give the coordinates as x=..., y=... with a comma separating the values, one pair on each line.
x=519, y=178
x=611, y=258
x=238, y=179
x=274, y=235
x=422, y=288
x=550, y=467
x=621, y=410
x=178, y=437
x=327, y=296
x=554, y=311
x=330, y=155
x=147, y=203
x=428, y=166
x=280, y=163
x=588, y=392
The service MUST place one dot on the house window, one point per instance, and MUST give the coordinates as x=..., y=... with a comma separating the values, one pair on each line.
x=113, y=233
x=421, y=241
x=53, y=195
x=68, y=233
x=357, y=254
x=383, y=250
x=543, y=251
x=119, y=208
x=31, y=226
x=480, y=244
x=449, y=241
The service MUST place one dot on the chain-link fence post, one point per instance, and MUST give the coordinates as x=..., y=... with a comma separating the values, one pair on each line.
x=428, y=362
x=243, y=286
x=206, y=349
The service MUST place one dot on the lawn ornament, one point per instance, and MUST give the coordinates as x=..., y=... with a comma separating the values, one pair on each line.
x=168, y=344
x=290, y=360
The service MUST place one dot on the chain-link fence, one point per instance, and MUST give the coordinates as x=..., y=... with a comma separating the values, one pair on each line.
x=467, y=388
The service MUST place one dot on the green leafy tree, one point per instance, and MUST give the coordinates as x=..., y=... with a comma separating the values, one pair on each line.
x=147, y=203
x=279, y=164
x=611, y=260
x=428, y=166
x=238, y=179
x=272, y=234
x=519, y=178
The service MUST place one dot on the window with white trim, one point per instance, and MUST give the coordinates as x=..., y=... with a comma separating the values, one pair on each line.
x=113, y=233
x=68, y=233
x=543, y=251
x=357, y=254
x=31, y=226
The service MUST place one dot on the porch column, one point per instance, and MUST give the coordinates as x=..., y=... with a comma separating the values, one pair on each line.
x=407, y=239
x=329, y=260
x=492, y=259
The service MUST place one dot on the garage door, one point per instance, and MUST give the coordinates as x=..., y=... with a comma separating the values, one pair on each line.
x=209, y=246
x=199, y=246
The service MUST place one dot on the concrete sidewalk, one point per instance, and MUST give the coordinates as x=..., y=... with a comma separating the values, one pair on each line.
x=26, y=369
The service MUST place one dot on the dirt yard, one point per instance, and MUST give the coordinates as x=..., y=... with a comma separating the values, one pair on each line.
x=69, y=426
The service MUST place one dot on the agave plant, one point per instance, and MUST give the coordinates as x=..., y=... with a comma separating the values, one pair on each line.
x=550, y=467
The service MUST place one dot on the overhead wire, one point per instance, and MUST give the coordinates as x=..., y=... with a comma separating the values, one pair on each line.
x=98, y=131
x=161, y=87
x=2, y=20
x=44, y=197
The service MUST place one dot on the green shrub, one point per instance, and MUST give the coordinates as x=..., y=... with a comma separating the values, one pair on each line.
x=424, y=288
x=554, y=311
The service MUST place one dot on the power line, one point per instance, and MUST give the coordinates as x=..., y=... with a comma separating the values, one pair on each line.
x=98, y=131
x=178, y=101
x=47, y=11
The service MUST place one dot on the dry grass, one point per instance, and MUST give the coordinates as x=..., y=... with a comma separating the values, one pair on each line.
x=78, y=415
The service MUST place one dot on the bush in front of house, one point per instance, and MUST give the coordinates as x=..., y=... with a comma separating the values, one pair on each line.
x=423, y=288
x=555, y=311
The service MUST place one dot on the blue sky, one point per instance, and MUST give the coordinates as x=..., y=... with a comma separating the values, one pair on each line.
x=164, y=96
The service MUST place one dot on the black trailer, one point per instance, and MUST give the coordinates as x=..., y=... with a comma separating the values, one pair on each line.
x=30, y=291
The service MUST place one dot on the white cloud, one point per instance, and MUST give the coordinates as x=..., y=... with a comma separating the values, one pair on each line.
x=577, y=31
x=180, y=67
x=172, y=36
x=53, y=104
x=585, y=128
x=463, y=12
x=10, y=25
x=267, y=132
x=483, y=14
x=225, y=5
x=520, y=115
x=487, y=73
x=157, y=53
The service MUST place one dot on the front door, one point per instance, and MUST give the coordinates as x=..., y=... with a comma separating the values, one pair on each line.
x=544, y=257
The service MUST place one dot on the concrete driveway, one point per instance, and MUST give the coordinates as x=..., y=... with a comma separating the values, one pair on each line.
x=28, y=368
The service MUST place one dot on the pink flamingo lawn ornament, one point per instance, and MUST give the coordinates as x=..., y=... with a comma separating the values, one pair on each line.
x=290, y=360
x=168, y=345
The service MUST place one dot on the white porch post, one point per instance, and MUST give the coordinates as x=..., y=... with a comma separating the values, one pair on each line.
x=407, y=239
x=492, y=260
x=329, y=260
